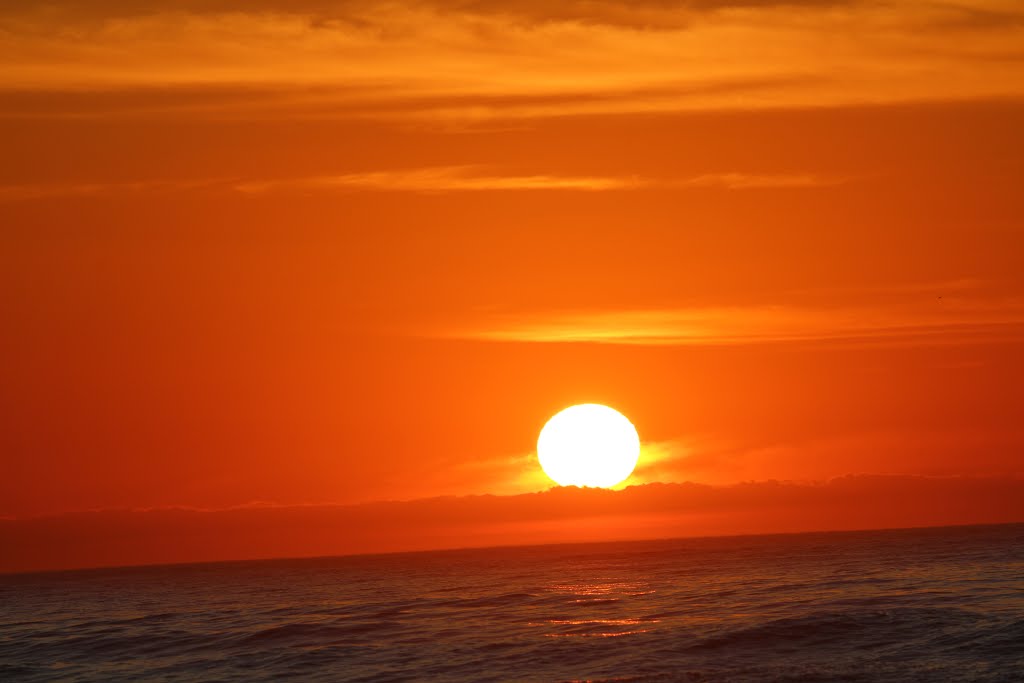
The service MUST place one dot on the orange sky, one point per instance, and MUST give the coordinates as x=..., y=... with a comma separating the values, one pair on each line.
x=338, y=252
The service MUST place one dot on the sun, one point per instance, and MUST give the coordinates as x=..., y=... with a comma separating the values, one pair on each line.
x=588, y=445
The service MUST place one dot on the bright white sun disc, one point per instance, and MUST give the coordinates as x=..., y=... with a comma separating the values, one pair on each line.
x=588, y=445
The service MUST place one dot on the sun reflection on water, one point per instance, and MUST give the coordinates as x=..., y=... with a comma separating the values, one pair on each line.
x=604, y=599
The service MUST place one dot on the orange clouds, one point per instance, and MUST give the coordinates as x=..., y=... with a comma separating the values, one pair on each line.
x=524, y=60
x=333, y=251
x=934, y=320
x=559, y=515
x=442, y=179
x=469, y=178
x=421, y=180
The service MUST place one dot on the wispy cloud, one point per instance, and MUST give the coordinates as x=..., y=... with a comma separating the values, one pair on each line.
x=523, y=59
x=441, y=179
x=933, y=450
x=471, y=178
x=941, y=320
x=420, y=180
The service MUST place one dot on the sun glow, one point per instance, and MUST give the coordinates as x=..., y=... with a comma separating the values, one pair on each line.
x=588, y=445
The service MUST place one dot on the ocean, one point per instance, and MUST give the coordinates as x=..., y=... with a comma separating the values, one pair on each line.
x=940, y=604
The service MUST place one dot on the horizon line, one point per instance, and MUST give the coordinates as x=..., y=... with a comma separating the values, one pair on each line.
x=507, y=546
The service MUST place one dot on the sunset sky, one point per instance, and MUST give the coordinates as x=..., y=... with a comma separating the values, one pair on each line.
x=281, y=255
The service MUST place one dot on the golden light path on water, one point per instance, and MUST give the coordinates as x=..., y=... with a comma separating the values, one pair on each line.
x=596, y=593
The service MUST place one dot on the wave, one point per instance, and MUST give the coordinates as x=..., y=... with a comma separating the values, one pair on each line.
x=859, y=628
x=311, y=634
x=859, y=610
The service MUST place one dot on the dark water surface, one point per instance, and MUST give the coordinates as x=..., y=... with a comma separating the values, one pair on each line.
x=907, y=605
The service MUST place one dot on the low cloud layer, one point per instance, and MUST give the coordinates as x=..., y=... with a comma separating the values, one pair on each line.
x=558, y=515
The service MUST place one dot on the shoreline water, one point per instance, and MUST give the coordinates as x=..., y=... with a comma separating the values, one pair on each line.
x=933, y=604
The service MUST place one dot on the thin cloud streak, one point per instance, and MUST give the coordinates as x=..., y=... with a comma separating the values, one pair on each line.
x=949, y=321
x=441, y=179
x=420, y=180
x=469, y=178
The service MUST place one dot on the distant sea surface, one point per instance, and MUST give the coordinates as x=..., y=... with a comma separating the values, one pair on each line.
x=906, y=605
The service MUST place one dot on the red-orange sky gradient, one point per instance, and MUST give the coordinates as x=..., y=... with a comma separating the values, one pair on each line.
x=282, y=257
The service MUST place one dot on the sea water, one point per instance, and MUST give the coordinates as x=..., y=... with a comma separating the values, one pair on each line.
x=903, y=605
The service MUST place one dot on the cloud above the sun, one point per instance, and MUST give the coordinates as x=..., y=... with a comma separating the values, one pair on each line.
x=438, y=61
x=933, y=319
